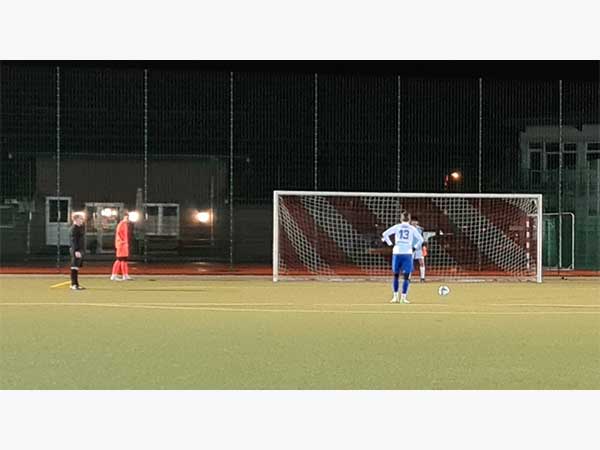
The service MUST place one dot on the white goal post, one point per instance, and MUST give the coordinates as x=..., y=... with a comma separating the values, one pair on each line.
x=336, y=235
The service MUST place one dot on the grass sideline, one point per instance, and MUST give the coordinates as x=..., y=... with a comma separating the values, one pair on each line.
x=247, y=333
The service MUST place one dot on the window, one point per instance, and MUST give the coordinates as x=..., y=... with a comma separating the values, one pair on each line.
x=7, y=216
x=90, y=226
x=552, y=163
x=170, y=211
x=593, y=159
x=535, y=161
x=535, y=146
x=570, y=147
x=152, y=220
x=54, y=210
x=162, y=219
x=170, y=220
x=552, y=147
x=593, y=146
x=593, y=156
x=570, y=160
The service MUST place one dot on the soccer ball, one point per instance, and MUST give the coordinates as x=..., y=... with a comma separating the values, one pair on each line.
x=443, y=290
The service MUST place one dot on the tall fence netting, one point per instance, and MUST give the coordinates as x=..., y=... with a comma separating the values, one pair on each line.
x=199, y=153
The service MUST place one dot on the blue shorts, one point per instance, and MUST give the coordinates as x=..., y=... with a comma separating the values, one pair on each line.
x=402, y=263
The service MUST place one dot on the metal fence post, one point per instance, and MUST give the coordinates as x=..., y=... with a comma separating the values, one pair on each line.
x=398, y=140
x=145, y=163
x=560, y=167
x=58, y=218
x=316, y=134
x=231, y=170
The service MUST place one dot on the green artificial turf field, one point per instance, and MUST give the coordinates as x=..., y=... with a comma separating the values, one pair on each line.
x=196, y=333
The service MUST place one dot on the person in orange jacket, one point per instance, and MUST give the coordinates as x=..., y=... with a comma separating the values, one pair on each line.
x=122, y=248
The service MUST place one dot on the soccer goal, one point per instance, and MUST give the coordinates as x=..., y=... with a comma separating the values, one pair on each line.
x=337, y=235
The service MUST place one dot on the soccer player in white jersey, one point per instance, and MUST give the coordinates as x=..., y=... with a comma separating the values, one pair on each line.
x=406, y=239
x=420, y=253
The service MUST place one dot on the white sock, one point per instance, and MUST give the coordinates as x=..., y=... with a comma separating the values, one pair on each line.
x=403, y=297
x=395, y=295
x=422, y=270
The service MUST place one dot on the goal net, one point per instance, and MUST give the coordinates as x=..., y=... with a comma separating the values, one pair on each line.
x=337, y=235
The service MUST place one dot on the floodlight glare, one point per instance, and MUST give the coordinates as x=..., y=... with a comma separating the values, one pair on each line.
x=203, y=217
x=455, y=176
x=134, y=216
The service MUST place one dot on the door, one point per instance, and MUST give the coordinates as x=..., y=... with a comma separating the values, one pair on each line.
x=58, y=213
x=552, y=257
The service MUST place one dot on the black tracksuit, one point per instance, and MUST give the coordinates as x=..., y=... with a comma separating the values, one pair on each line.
x=77, y=237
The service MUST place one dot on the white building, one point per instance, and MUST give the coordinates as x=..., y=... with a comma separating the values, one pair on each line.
x=580, y=172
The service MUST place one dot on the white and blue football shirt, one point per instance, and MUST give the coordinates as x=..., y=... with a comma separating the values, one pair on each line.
x=406, y=237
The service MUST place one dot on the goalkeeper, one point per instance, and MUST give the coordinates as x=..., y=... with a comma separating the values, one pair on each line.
x=122, y=249
x=420, y=253
x=406, y=239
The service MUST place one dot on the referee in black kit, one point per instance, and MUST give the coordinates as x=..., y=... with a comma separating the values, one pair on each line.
x=77, y=236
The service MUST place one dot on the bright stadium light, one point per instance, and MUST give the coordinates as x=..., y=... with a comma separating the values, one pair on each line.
x=134, y=216
x=203, y=217
x=455, y=176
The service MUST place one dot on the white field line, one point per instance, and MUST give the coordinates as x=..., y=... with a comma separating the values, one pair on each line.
x=136, y=304
x=200, y=278
x=318, y=311
x=548, y=305
x=146, y=288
